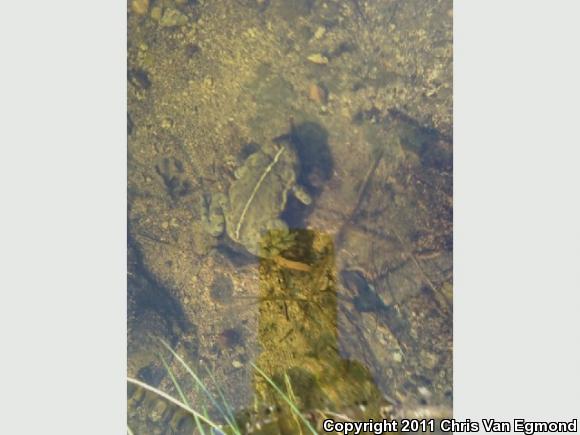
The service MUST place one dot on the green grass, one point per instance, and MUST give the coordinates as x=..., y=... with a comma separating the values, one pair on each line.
x=290, y=403
x=220, y=404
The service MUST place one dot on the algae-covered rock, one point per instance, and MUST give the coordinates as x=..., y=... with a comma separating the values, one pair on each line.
x=173, y=18
x=156, y=13
x=140, y=7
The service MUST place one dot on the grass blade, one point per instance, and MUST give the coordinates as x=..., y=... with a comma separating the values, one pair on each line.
x=174, y=401
x=181, y=394
x=292, y=398
x=200, y=383
x=286, y=399
x=222, y=397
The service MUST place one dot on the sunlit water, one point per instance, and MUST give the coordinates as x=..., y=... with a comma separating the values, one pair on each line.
x=290, y=208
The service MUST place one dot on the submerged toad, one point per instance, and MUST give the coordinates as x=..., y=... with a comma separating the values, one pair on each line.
x=256, y=199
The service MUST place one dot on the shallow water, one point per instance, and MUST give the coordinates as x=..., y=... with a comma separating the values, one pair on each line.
x=351, y=311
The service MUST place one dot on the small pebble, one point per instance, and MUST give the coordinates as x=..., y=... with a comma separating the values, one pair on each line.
x=424, y=392
x=318, y=59
x=158, y=410
x=166, y=123
x=156, y=13
x=173, y=18
x=317, y=94
x=140, y=7
x=319, y=32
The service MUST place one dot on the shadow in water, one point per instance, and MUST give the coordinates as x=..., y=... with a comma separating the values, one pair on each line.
x=151, y=311
x=433, y=147
x=145, y=293
x=310, y=141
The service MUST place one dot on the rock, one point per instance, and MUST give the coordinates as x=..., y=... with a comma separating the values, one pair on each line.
x=319, y=32
x=424, y=392
x=140, y=7
x=317, y=93
x=158, y=410
x=156, y=13
x=139, y=78
x=318, y=59
x=429, y=359
x=166, y=123
x=173, y=18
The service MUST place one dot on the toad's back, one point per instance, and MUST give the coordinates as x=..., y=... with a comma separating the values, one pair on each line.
x=259, y=194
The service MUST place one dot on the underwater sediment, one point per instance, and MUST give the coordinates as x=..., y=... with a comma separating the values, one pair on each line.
x=352, y=306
